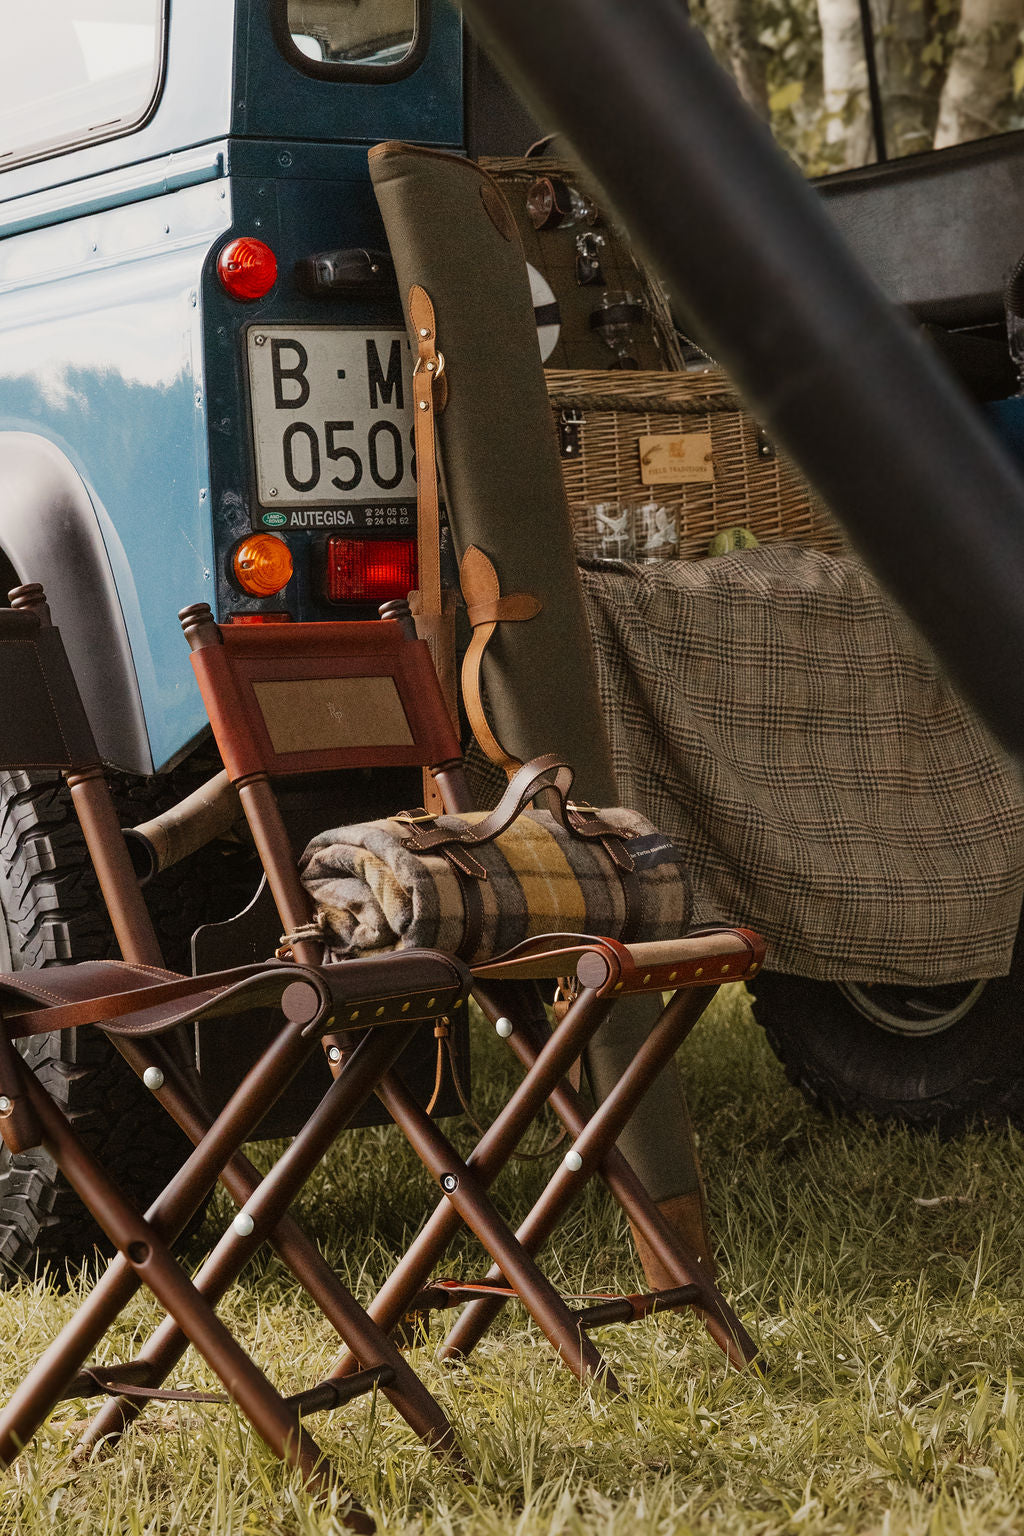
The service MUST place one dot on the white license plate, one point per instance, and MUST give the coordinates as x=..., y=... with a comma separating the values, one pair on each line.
x=331, y=416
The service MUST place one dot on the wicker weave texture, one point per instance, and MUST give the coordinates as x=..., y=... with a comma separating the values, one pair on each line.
x=751, y=489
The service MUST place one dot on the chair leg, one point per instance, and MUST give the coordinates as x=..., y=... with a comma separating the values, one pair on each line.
x=465, y=1191
x=486, y=1161
x=167, y=1216
x=266, y=1203
x=594, y=1137
x=154, y=1266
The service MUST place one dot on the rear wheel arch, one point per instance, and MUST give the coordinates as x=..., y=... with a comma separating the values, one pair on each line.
x=51, y=532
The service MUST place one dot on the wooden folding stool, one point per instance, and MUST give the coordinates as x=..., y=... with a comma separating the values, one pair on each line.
x=140, y=1005
x=287, y=700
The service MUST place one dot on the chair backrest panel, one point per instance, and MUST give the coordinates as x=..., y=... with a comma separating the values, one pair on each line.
x=316, y=697
x=42, y=721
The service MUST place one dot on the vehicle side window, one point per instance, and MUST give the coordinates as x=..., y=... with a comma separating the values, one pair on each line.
x=75, y=71
x=348, y=37
x=845, y=83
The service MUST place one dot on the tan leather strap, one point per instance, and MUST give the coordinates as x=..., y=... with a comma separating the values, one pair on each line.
x=486, y=608
x=435, y=618
x=426, y=385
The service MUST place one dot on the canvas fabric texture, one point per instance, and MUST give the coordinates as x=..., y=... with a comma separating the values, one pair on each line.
x=372, y=892
x=775, y=715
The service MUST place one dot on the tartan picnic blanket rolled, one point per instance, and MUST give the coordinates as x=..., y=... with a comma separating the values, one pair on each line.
x=373, y=891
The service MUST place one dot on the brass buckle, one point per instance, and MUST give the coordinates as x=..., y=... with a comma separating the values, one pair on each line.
x=414, y=818
x=423, y=365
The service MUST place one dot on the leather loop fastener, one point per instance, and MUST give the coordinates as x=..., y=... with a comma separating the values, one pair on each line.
x=486, y=608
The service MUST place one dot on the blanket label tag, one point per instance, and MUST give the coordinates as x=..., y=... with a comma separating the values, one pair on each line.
x=676, y=458
x=653, y=849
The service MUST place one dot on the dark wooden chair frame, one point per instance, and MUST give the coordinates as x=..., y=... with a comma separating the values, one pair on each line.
x=141, y=1006
x=231, y=663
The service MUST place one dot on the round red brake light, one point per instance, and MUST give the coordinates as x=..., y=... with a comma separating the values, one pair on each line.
x=247, y=268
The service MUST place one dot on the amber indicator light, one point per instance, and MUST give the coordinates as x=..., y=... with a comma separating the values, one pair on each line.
x=262, y=564
x=369, y=570
x=247, y=268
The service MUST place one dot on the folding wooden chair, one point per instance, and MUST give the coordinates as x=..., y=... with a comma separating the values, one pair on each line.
x=286, y=700
x=140, y=1006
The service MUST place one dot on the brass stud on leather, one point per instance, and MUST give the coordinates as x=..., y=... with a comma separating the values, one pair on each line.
x=354, y=1014
x=406, y=1007
x=725, y=970
x=379, y=1014
x=431, y=1001
x=699, y=971
x=673, y=975
x=647, y=978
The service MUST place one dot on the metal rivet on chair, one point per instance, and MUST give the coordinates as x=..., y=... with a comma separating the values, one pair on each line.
x=449, y=1183
x=6, y=1104
x=153, y=1079
x=334, y=1054
x=503, y=1027
x=243, y=1224
x=573, y=1161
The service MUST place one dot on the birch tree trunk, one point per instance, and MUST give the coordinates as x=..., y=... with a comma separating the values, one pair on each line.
x=732, y=34
x=979, y=82
x=910, y=87
x=845, y=83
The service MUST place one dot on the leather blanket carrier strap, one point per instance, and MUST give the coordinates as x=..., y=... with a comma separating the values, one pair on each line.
x=476, y=885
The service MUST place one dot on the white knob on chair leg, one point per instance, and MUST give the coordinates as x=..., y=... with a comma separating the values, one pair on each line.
x=573, y=1161
x=503, y=1027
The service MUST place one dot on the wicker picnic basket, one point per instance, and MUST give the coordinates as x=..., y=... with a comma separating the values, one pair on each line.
x=602, y=416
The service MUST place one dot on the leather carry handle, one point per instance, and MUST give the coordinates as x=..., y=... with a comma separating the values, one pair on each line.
x=531, y=780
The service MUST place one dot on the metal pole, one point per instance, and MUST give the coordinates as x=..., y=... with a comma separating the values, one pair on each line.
x=878, y=425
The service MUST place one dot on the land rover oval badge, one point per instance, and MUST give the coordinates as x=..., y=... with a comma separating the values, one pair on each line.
x=274, y=519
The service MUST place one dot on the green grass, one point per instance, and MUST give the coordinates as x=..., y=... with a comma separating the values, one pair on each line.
x=881, y=1271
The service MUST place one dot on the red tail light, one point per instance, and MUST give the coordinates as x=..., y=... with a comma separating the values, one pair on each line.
x=247, y=268
x=369, y=570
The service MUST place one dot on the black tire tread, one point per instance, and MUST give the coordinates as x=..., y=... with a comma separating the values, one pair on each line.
x=54, y=915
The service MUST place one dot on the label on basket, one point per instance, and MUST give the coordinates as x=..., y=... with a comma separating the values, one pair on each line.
x=676, y=458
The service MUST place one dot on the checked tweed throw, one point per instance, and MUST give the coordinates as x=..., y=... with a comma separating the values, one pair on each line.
x=773, y=713
x=782, y=722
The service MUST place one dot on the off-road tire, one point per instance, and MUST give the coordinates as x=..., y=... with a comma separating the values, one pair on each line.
x=966, y=1072
x=51, y=914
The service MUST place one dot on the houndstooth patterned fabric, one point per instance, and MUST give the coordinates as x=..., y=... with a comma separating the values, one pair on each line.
x=372, y=892
x=776, y=717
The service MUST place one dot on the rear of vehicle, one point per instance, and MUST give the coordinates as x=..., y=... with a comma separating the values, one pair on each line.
x=204, y=395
